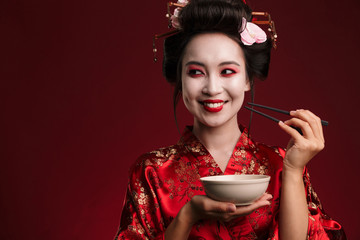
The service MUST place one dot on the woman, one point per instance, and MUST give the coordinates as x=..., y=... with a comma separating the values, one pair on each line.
x=212, y=62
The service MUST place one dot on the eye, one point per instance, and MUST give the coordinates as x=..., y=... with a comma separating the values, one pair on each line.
x=192, y=72
x=228, y=72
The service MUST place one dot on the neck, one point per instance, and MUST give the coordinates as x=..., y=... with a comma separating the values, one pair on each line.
x=223, y=137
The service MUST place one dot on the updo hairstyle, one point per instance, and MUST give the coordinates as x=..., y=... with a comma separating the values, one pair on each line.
x=213, y=16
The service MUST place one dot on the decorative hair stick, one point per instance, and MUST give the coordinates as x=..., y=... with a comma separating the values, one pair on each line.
x=323, y=122
x=271, y=24
x=260, y=14
x=176, y=4
x=160, y=36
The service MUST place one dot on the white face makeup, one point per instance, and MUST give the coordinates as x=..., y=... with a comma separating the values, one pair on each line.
x=214, y=79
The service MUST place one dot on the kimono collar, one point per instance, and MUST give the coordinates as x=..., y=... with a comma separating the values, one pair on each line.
x=193, y=144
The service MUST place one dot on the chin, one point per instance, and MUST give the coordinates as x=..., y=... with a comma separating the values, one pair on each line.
x=213, y=123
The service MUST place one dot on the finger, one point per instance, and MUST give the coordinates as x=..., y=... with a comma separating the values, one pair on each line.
x=318, y=122
x=313, y=120
x=263, y=201
x=305, y=127
x=291, y=131
x=265, y=196
x=209, y=205
x=246, y=210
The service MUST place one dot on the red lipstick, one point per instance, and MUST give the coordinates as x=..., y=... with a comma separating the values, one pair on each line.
x=213, y=105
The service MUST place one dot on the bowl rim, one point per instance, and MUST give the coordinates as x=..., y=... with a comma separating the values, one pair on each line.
x=217, y=179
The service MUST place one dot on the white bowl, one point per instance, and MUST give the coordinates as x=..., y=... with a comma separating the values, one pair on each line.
x=238, y=189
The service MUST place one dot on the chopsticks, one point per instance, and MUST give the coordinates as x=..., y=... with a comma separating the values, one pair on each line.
x=324, y=123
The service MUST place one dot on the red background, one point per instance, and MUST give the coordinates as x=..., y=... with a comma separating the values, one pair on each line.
x=81, y=99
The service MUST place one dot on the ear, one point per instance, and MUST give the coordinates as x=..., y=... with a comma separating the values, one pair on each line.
x=248, y=85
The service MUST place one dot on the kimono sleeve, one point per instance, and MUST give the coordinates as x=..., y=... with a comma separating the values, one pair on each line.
x=141, y=216
x=320, y=225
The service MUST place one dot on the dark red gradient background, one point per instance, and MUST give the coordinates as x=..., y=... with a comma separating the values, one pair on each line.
x=81, y=99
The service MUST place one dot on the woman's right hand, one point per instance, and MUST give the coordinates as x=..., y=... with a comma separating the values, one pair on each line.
x=202, y=207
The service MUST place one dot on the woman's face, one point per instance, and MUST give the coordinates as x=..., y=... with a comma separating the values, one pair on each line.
x=213, y=79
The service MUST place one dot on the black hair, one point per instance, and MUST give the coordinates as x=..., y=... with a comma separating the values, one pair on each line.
x=220, y=16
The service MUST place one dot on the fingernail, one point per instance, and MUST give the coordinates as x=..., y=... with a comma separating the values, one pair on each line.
x=231, y=208
x=282, y=123
x=293, y=112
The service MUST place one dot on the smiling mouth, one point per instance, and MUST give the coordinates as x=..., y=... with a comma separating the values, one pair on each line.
x=213, y=105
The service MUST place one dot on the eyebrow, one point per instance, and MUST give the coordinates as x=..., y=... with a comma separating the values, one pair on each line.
x=195, y=63
x=203, y=65
x=229, y=62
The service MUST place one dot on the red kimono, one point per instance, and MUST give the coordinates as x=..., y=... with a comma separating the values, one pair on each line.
x=163, y=181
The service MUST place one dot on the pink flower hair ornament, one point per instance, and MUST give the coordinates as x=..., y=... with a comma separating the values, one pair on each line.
x=175, y=19
x=251, y=33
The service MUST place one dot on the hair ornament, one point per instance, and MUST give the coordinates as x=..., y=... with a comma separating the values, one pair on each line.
x=268, y=21
x=175, y=19
x=173, y=22
x=250, y=32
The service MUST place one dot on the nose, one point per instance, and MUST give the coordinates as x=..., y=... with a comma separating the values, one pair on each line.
x=212, y=86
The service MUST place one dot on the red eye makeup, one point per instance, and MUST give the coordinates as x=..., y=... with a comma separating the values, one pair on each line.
x=228, y=72
x=194, y=71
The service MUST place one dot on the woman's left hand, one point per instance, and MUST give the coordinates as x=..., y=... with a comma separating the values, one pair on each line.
x=302, y=148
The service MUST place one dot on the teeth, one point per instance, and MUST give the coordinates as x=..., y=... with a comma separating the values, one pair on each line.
x=213, y=105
